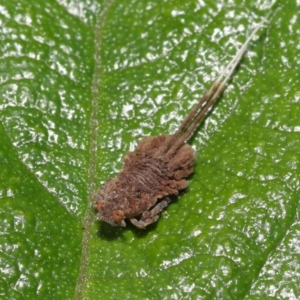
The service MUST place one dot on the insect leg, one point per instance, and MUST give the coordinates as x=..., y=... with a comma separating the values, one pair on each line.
x=150, y=216
x=143, y=223
x=156, y=209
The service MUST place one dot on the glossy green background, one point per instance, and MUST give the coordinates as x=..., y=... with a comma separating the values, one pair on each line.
x=81, y=82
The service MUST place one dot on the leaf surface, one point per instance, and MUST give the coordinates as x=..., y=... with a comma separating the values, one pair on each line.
x=81, y=82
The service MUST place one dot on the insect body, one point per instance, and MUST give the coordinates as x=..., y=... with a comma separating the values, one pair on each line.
x=158, y=167
x=150, y=174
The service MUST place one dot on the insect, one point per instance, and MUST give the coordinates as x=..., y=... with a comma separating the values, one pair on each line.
x=159, y=166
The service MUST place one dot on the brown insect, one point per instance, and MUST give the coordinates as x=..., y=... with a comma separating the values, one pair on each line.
x=159, y=166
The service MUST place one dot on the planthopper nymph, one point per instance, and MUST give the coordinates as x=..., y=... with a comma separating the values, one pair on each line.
x=159, y=166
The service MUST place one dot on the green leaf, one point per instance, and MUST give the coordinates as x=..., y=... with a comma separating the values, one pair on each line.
x=81, y=82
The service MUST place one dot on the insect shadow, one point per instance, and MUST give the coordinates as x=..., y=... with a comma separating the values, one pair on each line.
x=109, y=233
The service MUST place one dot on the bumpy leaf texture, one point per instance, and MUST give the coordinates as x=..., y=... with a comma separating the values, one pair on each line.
x=81, y=82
